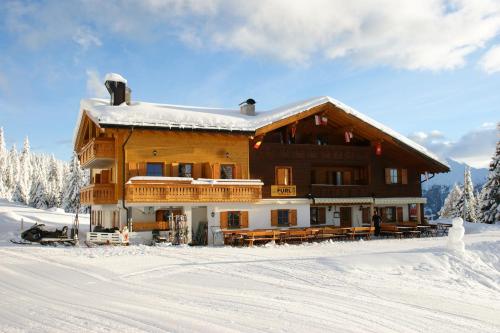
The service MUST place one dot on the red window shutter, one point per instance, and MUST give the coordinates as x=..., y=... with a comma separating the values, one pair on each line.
x=174, y=169
x=197, y=170
x=216, y=171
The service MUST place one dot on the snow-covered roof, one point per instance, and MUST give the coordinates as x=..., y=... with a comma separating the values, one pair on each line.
x=115, y=77
x=142, y=114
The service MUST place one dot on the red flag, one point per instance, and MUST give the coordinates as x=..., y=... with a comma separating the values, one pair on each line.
x=317, y=120
x=347, y=137
x=378, y=149
x=324, y=120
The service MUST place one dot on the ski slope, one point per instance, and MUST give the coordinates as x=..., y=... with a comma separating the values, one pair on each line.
x=410, y=285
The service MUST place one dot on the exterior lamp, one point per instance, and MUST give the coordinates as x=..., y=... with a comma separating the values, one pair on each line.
x=155, y=152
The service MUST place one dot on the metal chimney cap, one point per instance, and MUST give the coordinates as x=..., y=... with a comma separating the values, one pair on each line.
x=249, y=101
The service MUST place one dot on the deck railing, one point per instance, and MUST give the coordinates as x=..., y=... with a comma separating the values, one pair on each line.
x=97, y=150
x=185, y=192
x=98, y=194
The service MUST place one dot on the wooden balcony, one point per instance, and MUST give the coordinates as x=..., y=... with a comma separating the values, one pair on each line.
x=175, y=191
x=98, y=194
x=98, y=153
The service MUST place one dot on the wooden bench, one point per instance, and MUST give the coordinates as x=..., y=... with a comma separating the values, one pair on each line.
x=363, y=232
x=331, y=233
x=442, y=229
x=390, y=230
x=262, y=236
x=234, y=237
x=293, y=235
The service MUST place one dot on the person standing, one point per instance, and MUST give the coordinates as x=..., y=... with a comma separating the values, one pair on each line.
x=377, y=220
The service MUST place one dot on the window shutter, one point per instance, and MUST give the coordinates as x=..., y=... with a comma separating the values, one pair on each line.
x=141, y=168
x=174, y=169
x=197, y=170
x=347, y=178
x=387, y=175
x=237, y=171
x=274, y=217
x=132, y=170
x=244, y=219
x=404, y=176
x=216, y=171
x=207, y=170
x=292, y=217
x=223, y=220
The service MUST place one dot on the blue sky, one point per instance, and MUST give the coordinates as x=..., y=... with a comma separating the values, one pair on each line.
x=428, y=69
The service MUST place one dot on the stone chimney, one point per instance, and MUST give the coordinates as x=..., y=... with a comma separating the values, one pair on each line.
x=248, y=107
x=117, y=88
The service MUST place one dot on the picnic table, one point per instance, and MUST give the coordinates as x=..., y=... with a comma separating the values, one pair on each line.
x=425, y=230
x=408, y=231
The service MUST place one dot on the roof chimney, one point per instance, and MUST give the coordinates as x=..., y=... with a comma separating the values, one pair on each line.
x=117, y=87
x=248, y=107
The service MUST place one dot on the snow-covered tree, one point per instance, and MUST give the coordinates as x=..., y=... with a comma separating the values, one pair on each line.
x=467, y=204
x=39, y=188
x=74, y=181
x=55, y=183
x=24, y=179
x=3, y=165
x=489, y=211
x=450, y=207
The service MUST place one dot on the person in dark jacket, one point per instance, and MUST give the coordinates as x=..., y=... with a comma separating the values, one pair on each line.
x=377, y=220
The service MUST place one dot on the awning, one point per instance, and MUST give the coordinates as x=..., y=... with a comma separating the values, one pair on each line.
x=400, y=201
x=333, y=201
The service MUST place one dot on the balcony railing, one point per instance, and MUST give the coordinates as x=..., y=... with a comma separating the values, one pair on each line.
x=345, y=191
x=165, y=191
x=98, y=153
x=98, y=194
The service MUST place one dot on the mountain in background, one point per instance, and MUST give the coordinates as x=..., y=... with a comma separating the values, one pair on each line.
x=456, y=175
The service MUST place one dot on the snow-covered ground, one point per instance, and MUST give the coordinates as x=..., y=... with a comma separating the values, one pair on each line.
x=409, y=285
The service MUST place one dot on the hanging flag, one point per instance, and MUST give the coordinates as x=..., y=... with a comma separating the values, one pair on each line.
x=378, y=149
x=294, y=130
x=426, y=176
x=317, y=120
x=350, y=134
x=257, y=144
x=324, y=120
x=347, y=137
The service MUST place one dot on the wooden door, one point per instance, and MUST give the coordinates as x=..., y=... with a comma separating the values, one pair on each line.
x=345, y=217
x=399, y=214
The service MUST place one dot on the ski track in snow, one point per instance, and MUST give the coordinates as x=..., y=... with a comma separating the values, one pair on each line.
x=412, y=285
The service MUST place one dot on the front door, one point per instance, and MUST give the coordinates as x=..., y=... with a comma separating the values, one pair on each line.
x=399, y=214
x=345, y=217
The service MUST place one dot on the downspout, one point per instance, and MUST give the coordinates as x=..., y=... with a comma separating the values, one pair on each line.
x=123, y=175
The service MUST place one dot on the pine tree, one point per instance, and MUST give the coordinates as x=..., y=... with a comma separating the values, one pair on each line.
x=11, y=172
x=3, y=165
x=39, y=188
x=450, y=207
x=23, y=186
x=73, y=183
x=467, y=204
x=490, y=194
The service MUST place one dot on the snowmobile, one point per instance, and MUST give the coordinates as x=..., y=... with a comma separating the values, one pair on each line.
x=38, y=234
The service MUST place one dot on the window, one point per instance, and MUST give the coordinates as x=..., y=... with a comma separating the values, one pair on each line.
x=318, y=215
x=394, y=176
x=226, y=171
x=389, y=214
x=283, y=176
x=283, y=217
x=185, y=170
x=154, y=169
x=233, y=219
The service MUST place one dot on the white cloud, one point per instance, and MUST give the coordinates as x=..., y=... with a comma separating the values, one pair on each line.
x=95, y=84
x=86, y=39
x=475, y=148
x=490, y=62
x=415, y=35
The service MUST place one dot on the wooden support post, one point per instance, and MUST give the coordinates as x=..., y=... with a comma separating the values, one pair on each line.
x=419, y=215
x=372, y=211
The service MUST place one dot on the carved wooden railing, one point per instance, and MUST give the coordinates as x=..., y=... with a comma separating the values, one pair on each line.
x=98, y=194
x=97, y=148
x=185, y=192
x=148, y=226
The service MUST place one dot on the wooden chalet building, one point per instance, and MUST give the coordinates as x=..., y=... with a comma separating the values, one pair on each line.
x=315, y=162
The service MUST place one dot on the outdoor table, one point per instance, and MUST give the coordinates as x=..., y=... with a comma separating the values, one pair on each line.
x=406, y=230
x=424, y=229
